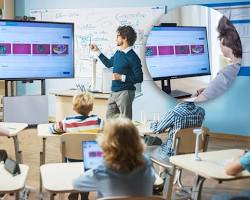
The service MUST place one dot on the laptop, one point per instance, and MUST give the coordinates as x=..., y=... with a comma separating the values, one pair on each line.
x=92, y=154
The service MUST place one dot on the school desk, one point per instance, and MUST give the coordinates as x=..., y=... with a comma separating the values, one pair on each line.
x=14, y=130
x=10, y=183
x=58, y=177
x=211, y=166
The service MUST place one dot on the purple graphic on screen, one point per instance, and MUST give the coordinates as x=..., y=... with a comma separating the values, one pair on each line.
x=41, y=49
x=5, y=48
x=166, y=50
x=182, y=49
x=151, y=51
x=60, y=49
x=197, y=49
x=92, y=154
x=21, y=49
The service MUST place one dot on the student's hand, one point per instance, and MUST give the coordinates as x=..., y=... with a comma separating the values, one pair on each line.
x=93, y=47
x=198, y=92
x=116, y=76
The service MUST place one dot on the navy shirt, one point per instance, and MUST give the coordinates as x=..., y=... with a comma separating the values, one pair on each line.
x=128, y=64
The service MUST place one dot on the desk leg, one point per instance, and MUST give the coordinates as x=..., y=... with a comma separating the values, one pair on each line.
x=42, y=161
x=17, y=152
x=197, y=188
x=44, y=150
x=17, y=195
x=52, y=196
x=168, y=183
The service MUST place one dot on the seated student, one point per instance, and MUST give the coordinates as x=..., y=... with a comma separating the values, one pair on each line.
x=125, y=171
x=183, y=115
x=236, y=166
x=231, y=48
x=82, y=104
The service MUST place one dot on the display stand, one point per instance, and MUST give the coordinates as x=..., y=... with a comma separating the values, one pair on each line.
x=174, y=93
x=165, y=83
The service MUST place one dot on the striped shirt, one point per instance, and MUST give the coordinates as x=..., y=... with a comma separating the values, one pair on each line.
x=184, y=115
x=78, y=123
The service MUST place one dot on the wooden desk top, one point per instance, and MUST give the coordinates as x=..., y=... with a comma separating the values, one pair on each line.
x=71, y=93
x=43, y=131
x=14, y=128
x=211, y=165
x=10, y=183
x=144, y=129
x=58, y=177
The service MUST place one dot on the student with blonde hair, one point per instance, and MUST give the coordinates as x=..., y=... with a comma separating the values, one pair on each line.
x=125, y=171
x=83, y=122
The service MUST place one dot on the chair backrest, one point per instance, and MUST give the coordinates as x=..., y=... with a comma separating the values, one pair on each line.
x=71, y=144
x=133, y=198
x=184, y=141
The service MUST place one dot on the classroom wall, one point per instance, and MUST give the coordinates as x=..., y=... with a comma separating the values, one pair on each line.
x=229, y=113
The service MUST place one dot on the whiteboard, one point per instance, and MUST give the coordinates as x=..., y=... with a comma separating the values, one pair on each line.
x=99, y=25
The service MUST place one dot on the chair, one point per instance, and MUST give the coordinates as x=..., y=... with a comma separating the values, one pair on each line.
x=132, y=198
x=184, y=143
x=69, y=140
x=71, y=147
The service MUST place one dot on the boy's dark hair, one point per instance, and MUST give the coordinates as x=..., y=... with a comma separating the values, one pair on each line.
x=230, y=36
x=127, y=32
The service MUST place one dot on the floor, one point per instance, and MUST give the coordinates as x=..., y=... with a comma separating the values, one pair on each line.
x=31, y=145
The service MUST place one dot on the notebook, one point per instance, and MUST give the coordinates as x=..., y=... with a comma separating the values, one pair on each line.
x=92, y=154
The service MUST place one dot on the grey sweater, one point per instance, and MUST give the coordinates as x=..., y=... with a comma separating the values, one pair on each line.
x=221, y=82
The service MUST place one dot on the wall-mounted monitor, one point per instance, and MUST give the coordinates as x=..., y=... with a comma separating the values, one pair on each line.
x=36, y=50
x=177, y=52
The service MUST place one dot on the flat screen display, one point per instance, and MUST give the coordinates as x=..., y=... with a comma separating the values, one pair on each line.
x=36, y=50
x=177, y=52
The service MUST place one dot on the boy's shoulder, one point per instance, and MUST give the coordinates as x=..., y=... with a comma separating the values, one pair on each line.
x=75, y=117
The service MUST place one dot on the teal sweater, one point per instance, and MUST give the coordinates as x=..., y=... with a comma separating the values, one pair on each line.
x=128, y=64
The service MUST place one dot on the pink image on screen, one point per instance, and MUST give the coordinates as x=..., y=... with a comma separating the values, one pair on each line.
x=151, y=51
x=5, y=48
x=197, y=49
x=21, y=49
x=60, y=49
x=182, y=49
x=166, y=50
x=41, y=49
x=99, y=153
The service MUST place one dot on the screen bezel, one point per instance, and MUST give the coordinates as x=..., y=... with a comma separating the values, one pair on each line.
x=45, y=77
x=185, y=75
